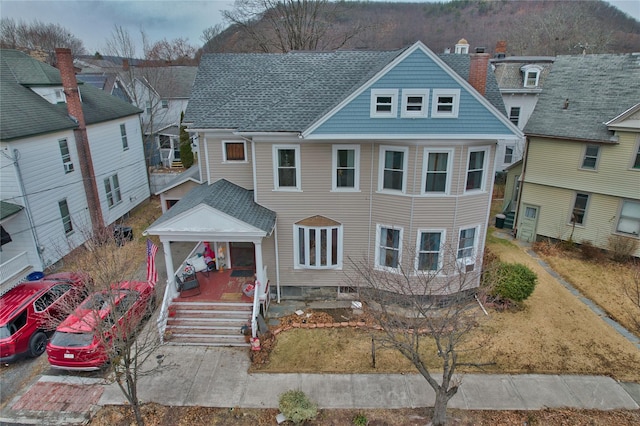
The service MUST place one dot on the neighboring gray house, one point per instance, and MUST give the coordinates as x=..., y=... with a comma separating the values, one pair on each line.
x=381, y=156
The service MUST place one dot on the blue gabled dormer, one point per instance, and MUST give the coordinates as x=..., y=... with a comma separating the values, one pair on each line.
x=418, y=95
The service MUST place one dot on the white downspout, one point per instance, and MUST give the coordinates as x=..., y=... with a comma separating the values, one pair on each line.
x=275, y=237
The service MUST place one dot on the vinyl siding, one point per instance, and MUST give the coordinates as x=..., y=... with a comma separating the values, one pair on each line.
x=40, y=157
x=361, y=212
x=601, y=217
x=417, y=71
x=240, y=173
x=109, y=158
x=557, y=163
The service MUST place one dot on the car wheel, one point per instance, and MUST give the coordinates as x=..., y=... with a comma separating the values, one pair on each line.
x=37, y=344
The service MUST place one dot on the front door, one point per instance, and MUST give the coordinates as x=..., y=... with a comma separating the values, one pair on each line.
x=242, y=255
x=528, y=223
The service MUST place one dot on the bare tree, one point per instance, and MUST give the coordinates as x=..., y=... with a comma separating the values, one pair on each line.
x=115, y=312
x=177, y=51
x=208, y=38
x=285, y=25
x=38, y=35
x=417, y=309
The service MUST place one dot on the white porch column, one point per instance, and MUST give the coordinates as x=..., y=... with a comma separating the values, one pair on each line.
x=260, y=267
x=168, y=259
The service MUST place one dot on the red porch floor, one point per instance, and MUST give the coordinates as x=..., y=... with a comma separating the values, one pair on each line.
x=219, y=286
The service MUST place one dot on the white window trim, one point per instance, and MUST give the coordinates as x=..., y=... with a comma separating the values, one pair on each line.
x=276, y=182
x=393, y=93
x=124, y=137
x=224, y=151
x=113, y=191
x=485, y=165
x=573, y=206
x=513, y=153
x=334, y=168
x=406, y=94
x=443, y=236
x=383, y=150
x=425, y=164
x=454, y=93
x=296, y=247
x=66, y=219
x=468, y=260
x=635, y=153
x=527, y=69
x=378, y=266
x=584, y=156
x=617, y=225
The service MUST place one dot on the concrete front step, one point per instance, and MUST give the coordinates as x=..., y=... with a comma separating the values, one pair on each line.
x=198, y=340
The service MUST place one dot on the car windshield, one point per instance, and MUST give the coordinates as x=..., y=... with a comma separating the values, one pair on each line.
x=71, y=340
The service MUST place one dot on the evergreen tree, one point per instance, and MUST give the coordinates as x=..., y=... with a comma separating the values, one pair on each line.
x=186, y=154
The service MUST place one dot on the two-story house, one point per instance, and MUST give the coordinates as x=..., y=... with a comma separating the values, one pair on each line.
x=311, y=160
x=581, y=171
x=71, y=158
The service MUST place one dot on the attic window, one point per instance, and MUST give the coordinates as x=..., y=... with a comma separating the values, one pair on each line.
x=445, y=103
x=531, y=75
x=384, y=103
x=414, y=102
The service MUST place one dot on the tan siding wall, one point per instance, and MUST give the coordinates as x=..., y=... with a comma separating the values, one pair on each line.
x=239, y=173
x=179, y=191
x=352, y=209
x=557, y=163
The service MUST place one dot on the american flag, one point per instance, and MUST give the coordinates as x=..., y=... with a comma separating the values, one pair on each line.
x=152, y=272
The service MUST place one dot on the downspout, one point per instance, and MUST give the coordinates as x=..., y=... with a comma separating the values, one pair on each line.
x=32, y=225
x=370, y=202
x=525, y=158
x=275, y=235
x=255, y=181
x=206, y=156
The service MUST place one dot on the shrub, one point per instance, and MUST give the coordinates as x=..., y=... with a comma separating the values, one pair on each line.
x=513, y=281
x=591, y=252
x=296, y=407
x=622, y=248
x=360, y=420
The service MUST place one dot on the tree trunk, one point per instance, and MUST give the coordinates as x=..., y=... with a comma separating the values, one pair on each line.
x=440, y=408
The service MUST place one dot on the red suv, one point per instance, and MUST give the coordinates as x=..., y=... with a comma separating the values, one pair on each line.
x=30, y=311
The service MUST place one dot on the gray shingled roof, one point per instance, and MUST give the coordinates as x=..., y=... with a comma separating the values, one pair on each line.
x=23, y=113
x=509, y=75
x=597, y=87
x=8, y=209
x=228, y=198
x=179, y=81
x=289, y=92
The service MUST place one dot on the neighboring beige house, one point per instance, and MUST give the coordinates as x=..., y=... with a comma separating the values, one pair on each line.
x=581, y=172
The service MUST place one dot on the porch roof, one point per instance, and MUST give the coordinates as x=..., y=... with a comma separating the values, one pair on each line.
x=8, y=209
x=238, y=213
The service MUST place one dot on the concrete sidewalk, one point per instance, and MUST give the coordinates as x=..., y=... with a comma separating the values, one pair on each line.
x=218, y=377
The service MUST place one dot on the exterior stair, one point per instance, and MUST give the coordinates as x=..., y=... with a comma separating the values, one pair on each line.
x=207, y=323
x=508, y=221
x=176, y=164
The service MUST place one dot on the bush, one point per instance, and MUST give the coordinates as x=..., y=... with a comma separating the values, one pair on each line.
x=296, y=407
x=622, y=248
x=591, y=252
x=513, y=281
x=360, y=420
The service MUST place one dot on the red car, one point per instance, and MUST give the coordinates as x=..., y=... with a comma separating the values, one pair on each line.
x=30, y=312
x=84, y=341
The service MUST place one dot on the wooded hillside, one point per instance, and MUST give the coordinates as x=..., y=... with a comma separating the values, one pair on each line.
x=530, y=27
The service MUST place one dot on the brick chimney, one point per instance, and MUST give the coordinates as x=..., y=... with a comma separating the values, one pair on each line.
x=478, y=71
x=501, y=49
x=64, y=62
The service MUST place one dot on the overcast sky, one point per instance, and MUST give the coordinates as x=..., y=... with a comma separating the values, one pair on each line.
x=92, y=21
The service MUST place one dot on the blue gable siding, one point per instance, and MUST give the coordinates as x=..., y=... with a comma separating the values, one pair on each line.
x=416, y=71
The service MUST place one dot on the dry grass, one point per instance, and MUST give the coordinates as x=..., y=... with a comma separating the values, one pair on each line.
x=554, y=333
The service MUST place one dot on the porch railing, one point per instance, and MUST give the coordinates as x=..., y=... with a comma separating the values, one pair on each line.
x=258, y=294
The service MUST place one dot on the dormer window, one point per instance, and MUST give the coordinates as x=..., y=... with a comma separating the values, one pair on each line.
x=384, y=103
x=531, y=75
x=445, y=103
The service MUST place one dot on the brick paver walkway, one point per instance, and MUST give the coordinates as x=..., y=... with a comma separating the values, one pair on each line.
x=53, y=396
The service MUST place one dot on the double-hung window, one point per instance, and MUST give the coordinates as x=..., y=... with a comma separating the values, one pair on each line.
x=579, y=208
x=429, y=249
x=66, y=156
x=346, y=168
x=629, y=220
x=66, y=216
x=445, y=103
x=112, y=188
x=318, y=243
x=384, y=103
x=389, y=245
x=123, y=136
x=514, y=115
x=636, y=161
x=286, y=167
x=467, y=245
x=393, y=168
x=234, y=151
x=508, y=154
x=590, y=158
x=414, y=103
x=437, y=167
x=476, y=165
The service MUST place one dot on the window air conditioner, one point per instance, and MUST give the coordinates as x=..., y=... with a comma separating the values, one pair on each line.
x=68, y=167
